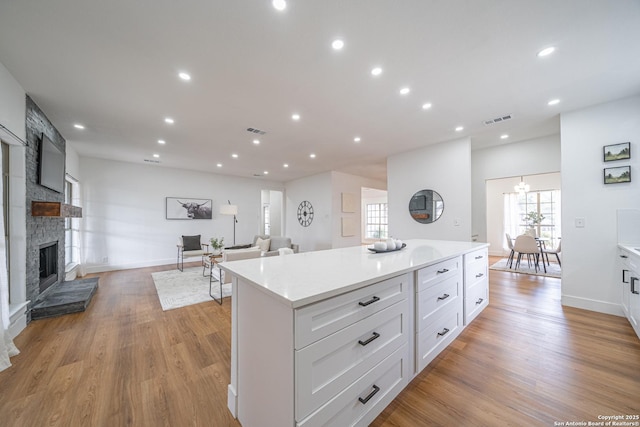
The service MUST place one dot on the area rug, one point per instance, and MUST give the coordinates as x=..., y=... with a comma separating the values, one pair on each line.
x=181, y=288
x=553, y=270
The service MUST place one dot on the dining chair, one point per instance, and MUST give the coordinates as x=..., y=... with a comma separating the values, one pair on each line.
x=527, y=245
x=510, y=245
x=555, y=252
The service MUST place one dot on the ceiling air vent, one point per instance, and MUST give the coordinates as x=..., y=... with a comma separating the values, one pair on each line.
x=498, y=119
x=254, y=130
x=157, y=162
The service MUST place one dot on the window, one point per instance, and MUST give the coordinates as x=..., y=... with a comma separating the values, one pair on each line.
x=71, y=225
x=377, y=221
x=267, y=219
x=5, y=206
x=545, y=204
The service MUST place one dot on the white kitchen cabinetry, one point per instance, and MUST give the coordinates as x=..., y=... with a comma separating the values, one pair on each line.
x=629, y=263
x=476, y=284
x=377, y=323
x=438, y=308
x=330, y=338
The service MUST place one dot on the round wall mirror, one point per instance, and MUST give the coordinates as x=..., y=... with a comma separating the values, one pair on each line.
x=426, y=206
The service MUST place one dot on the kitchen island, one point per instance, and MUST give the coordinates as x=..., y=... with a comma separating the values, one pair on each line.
x=331, y=337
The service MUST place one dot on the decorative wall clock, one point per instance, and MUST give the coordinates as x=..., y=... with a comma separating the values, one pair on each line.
x=305, y=213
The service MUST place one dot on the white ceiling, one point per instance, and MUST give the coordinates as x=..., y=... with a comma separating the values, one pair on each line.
x=113, y=65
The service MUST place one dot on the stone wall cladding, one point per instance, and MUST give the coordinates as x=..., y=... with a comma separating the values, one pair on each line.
x=40, y=230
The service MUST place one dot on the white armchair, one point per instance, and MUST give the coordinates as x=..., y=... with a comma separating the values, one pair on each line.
x=189, y=247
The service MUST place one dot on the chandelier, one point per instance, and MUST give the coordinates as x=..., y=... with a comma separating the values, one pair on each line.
x=522, y=188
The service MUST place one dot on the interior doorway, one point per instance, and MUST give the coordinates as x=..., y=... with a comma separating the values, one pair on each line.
x=375, y=216
x=271, y=215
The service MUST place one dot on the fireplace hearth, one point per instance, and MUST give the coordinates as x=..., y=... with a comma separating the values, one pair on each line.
x=48, y=265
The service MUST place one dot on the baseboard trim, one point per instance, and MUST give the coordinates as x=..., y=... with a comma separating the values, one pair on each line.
x=593, y=305
x=17, y=319
x=100, y=268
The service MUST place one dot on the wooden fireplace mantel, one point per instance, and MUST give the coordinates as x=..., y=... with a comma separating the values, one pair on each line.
x=55, y=209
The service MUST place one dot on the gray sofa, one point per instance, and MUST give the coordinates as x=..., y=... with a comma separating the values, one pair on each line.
x=276, y=243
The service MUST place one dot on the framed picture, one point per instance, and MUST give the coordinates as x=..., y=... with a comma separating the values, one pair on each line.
x=617, y=175
x=615, y=152
x=186, y=208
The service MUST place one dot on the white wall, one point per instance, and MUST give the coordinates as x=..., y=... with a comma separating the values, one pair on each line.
x=495, y=189
x=12, y=104
x=124, y=223
x=589, y=275
x=445, y=168
x=315, y=189
x=351, y=184
x=535, y=156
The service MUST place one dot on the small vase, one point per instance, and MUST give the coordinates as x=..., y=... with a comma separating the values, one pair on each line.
x=216, y=251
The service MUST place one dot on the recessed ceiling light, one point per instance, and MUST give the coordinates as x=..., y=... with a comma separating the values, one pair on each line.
x=505, y=136
x=156, y=155
x=312, y=155
x=184, y=76
x=546, y=51
x=553, y=102
x=78, y=126
x=356, y=139
x=219, y=165
x=426, y=106
x=266, y=172
x=286, y=165
x=279, y=4
x=376, y=71
x=337, y=44
x=459, y=129
x=162, y=141
x=404, y=91
x=256, y=141
x=234, y=155
x=169, y=120
x=295, y=116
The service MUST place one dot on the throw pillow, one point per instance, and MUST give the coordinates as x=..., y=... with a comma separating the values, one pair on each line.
x=191, y=243
x=263, y=244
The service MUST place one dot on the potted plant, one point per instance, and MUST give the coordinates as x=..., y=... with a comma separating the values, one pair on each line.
x=533, y=219
x=217, y=245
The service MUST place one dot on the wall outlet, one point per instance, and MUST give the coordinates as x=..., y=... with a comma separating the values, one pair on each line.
x=456, y=222
x=105, y=259
x=579, y=222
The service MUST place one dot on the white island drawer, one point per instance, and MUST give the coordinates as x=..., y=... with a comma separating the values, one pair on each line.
x=364, y=400
x=437, y=298
x=429, y=276
x=326, y=367
x=318, y=320
x=437, y=335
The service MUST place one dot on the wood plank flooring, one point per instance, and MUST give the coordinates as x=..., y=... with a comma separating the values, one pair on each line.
x=526, y=360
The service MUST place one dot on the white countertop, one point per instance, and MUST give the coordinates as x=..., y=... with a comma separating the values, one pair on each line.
x=634, y=249
x=308, y=277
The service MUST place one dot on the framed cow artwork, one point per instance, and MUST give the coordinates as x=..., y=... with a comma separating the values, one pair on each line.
x=186, y=208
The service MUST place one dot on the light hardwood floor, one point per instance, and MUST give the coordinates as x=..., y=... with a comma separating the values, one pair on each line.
x=525, y=361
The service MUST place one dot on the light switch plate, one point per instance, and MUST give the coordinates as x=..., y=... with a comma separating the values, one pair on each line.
x=579, y=222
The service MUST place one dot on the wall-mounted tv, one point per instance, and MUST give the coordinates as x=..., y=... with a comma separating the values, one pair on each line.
x=50, y=165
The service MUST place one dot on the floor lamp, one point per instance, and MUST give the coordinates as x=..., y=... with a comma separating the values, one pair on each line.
x=231, y=210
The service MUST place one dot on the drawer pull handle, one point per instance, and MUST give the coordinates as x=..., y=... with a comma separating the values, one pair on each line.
x=444, y=270
x=445, y=296
x=623, y=256
x=633, y=285
x=624, y=281
x=479, y=275
x=479, y=301
x=371, y=301
x=363, y=343
x=444, y=332
x=373, y=393
x=479, y=257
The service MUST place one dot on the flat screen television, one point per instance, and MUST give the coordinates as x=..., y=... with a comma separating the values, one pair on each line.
x=50, y=165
